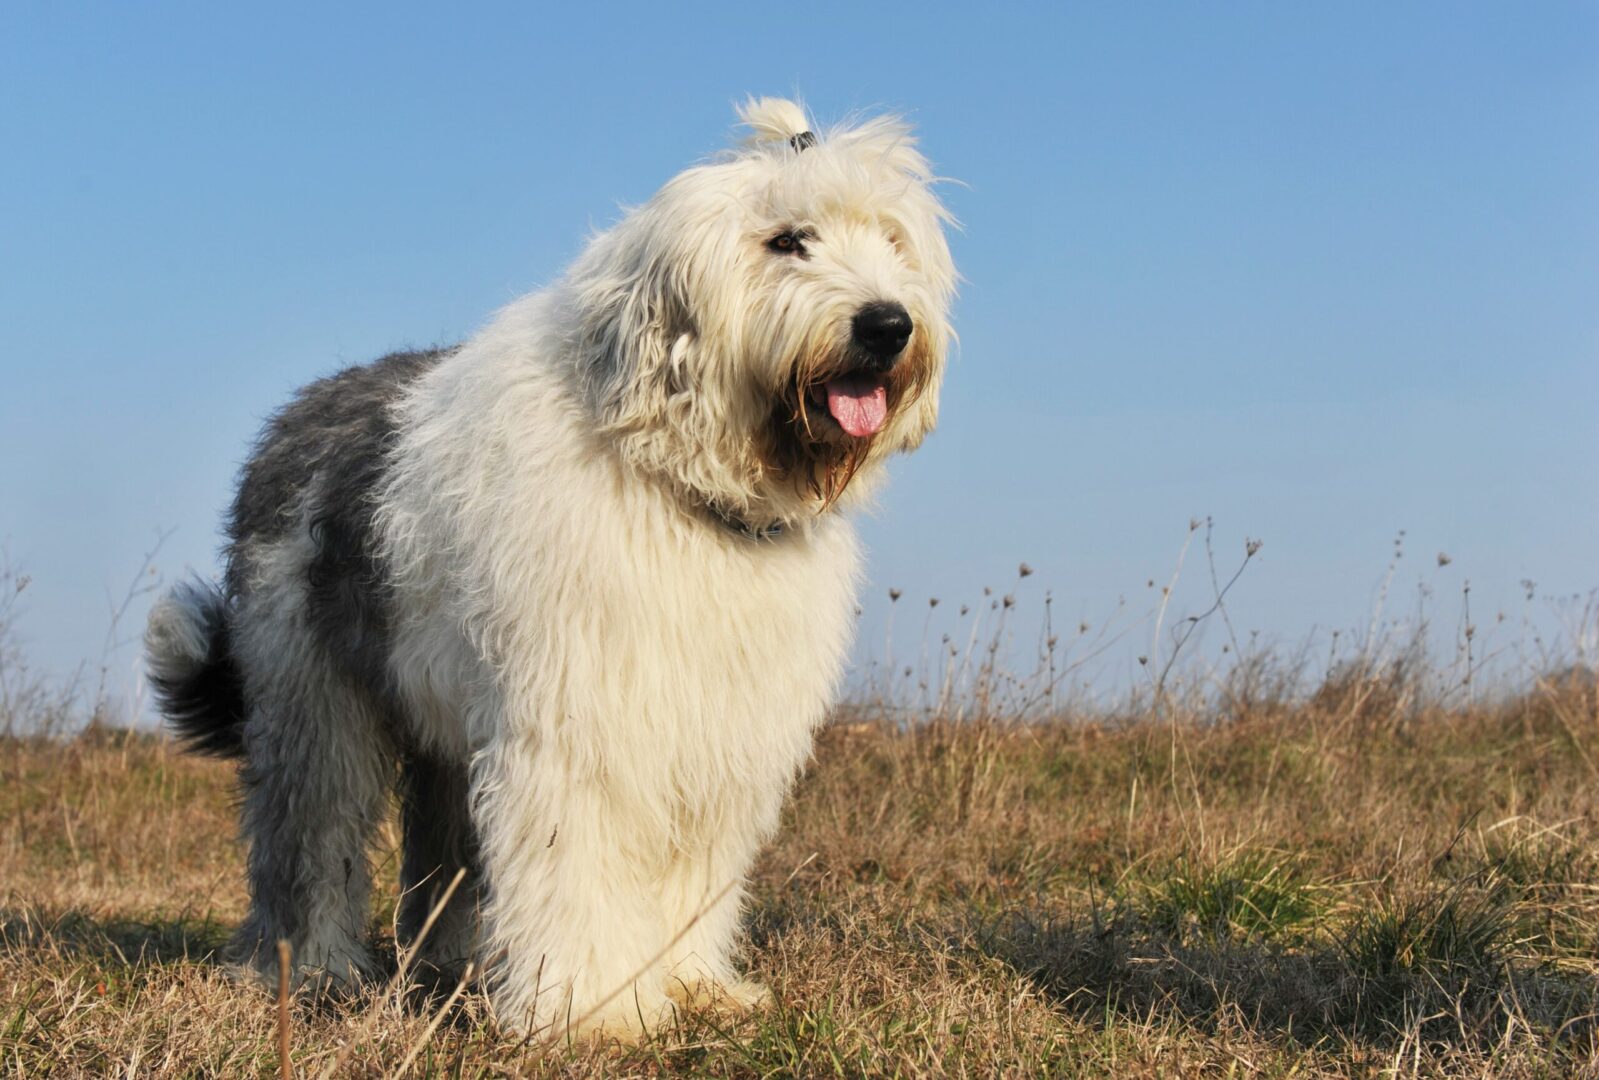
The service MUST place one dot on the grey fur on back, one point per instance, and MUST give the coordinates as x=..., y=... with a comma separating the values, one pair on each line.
x=320, y=461
x=315, y=468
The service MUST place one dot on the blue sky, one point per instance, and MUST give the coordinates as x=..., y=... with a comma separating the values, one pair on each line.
x=1319, y=273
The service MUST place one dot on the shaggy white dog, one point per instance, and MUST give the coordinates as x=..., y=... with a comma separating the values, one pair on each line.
x=586, y=578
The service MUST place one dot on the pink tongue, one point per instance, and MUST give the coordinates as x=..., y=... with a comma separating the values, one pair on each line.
x=859, y=404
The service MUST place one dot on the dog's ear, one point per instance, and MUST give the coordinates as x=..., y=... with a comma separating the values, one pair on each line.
x=636, y=325
x=643, y=366
x=654, y=384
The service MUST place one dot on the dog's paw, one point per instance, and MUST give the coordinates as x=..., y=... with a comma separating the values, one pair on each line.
x=624, y=1026
x=737, y=996
x=747, y=995
x=327, y=973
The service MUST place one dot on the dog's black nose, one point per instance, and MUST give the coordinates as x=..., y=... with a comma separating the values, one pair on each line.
x=882, y=329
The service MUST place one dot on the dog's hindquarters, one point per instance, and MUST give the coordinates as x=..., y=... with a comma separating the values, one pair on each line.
x=285, y=667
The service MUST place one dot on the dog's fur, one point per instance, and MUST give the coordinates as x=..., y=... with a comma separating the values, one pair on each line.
x=586, y=578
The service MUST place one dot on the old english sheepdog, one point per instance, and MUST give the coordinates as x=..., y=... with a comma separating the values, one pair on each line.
x=579, y=590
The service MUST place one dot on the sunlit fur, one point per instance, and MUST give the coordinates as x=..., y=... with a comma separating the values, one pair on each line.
x=591, y=607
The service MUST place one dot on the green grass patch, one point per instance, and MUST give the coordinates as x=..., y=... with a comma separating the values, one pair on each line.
x=1255, y=894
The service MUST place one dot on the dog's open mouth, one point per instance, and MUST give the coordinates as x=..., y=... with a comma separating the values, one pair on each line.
x=857, y=402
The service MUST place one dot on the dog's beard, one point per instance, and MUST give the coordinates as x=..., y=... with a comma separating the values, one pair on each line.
x=827, y=420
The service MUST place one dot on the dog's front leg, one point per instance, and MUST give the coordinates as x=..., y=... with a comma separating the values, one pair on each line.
x=702, y=897
x=573, y=939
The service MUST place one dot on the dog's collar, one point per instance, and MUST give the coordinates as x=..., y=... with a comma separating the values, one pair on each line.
x=737, y=525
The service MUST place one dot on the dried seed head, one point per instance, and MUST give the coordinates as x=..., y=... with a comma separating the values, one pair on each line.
x=1024, y=570
x=1444, y=559
x=894, y=595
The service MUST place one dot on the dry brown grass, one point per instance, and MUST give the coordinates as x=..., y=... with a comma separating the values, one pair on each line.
x=1346, y=884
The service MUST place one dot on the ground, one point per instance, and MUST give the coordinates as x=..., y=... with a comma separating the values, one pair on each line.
x=1345, y=884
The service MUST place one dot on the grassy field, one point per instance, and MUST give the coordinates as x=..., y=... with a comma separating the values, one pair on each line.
x=1348, y=884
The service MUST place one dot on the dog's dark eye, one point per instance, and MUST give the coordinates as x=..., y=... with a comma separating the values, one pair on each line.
x=787, y=243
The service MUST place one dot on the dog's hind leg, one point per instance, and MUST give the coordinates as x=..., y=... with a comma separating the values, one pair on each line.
x=439, y=842
x=318, y=769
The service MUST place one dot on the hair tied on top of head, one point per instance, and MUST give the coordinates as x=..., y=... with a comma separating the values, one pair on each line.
x=776, y=122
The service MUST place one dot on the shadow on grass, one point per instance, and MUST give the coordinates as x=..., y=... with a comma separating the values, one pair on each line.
x=128, y=946
x=1399, y=973
x=122, y=941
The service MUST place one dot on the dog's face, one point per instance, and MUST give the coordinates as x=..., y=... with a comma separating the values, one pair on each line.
x=773, y=324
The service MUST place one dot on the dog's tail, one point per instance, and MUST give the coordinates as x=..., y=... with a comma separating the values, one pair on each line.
x=192, y=671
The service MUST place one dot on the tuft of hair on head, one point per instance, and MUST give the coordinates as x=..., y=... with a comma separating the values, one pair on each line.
x=773, y=120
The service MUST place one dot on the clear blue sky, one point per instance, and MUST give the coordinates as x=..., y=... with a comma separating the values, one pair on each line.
x=1320, y=272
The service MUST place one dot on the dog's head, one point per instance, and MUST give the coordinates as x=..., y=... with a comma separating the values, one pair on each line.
x=773, y=323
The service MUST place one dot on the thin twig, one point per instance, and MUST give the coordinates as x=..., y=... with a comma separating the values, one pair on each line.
x=1165, y=602
x=1250, y=548
x=285, y=1065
